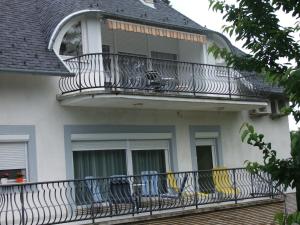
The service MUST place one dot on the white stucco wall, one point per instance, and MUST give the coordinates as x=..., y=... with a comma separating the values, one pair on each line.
x=31, y=100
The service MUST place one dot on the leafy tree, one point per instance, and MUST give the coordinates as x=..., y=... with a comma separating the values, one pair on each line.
x=272, y=48
x=256, y=24
x=285, y=171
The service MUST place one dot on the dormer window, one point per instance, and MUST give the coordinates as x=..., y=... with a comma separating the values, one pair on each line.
x=71, y=44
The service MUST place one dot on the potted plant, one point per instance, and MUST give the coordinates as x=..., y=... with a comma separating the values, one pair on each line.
x=20, y=178
x=4, y=178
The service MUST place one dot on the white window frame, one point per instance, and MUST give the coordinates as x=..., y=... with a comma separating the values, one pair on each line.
x=64, y=30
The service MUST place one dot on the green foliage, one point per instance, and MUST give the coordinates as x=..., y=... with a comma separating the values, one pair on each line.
x=256, y=24
x=291, y=219
x=295, y=145
x=284, y=171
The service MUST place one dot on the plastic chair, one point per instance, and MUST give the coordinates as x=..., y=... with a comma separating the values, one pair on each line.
x=222, y=182
x=149, y=180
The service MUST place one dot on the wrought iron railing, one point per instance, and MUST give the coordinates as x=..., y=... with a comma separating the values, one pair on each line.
x=128, y=73
x=95, y=198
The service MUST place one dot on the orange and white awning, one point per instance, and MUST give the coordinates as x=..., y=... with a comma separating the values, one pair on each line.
x=155, y=31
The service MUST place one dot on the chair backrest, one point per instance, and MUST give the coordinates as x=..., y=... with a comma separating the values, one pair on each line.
x=172, y=183
x=222, y=180
x=183, y=183
x=149, y=179
x=152, y=75
x=94, y=189
x=120, y=191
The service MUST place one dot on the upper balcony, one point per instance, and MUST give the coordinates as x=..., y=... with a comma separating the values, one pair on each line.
x=127, y=65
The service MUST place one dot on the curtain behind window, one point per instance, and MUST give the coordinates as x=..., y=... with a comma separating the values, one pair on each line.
x=99, y=163
x=152, y=160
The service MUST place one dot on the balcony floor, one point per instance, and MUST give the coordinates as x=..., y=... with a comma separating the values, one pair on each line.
x=156, y=101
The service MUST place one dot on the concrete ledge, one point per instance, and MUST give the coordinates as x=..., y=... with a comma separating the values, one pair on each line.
x=188, y=212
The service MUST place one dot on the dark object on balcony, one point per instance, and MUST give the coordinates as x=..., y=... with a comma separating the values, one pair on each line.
x=154, y=80
x=120, y=192
x=176, y=194
x=94, y=189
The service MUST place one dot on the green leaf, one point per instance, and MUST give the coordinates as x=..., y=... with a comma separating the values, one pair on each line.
x=250, y=128
x=244, y=135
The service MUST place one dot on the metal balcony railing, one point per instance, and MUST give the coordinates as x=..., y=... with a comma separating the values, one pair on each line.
x=91, y=198
x=140, y=75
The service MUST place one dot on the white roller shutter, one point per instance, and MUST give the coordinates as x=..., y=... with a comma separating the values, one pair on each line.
x=98, y=145
x=13, y=155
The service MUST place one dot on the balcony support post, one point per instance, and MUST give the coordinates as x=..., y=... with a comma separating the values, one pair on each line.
x=195, y=189
x=194, y=81
x=22, y=205
x=93, y=203
x=229, y=82
x=234, y=186
x=79, y=74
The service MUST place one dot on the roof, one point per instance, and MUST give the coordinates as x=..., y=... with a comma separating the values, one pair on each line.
x=26, y=27
x=22, y=45
x=54, y=11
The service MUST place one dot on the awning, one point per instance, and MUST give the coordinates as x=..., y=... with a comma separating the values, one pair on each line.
x=155, y=31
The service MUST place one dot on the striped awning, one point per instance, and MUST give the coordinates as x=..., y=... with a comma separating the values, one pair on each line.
x=155, y=31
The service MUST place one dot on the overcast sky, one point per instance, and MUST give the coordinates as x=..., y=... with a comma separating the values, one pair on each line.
x=198, y=10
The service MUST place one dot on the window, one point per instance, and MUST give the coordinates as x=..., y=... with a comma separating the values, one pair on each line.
x=106, y=58
x=148, y=160
x=119, y=157
x=165, y=64
x=206, y=157
x=13, y=160
x=72, y=41
x=278, y=105
x=99, y=163
x=131, y=67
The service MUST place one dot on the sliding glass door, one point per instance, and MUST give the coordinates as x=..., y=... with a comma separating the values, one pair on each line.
x=119, y=157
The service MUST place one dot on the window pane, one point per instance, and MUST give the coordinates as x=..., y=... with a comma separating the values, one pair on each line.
x=166, y=69
x=205, y=165
x=153, y=160
x=99, y=163
x=13, y=174
x=72, y=42
x=204, y=158
x=131, y=67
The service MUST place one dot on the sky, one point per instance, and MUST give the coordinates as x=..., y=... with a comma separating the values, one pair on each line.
x=198, y=10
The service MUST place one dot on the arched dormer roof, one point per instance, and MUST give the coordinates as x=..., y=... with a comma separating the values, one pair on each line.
x=30, y=27
x=54, y=13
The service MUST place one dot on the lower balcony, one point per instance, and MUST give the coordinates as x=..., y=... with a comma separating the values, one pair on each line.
x=122, y=80
x=94, y=199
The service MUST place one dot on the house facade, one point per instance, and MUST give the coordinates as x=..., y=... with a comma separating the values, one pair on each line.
x=113, y=87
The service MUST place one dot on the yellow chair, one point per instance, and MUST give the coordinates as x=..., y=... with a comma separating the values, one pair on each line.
x=222, y=182
x=174, y=187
